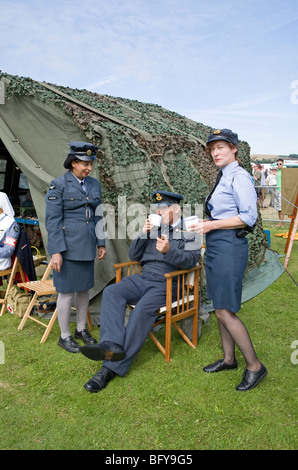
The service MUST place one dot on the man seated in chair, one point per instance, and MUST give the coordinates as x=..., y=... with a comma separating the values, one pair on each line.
x=9, y=232
x=159, y=251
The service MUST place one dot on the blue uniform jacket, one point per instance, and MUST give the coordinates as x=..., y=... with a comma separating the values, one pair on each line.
x=71, y=219
x=184, y=252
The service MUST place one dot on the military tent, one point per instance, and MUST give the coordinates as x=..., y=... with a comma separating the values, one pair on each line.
x=142, y=147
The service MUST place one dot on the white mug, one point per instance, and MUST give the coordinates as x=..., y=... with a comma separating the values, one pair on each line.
x=189, y=221
x=155, y=220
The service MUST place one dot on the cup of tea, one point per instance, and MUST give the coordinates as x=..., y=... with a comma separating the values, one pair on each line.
x=155, y=220
x=190, y=221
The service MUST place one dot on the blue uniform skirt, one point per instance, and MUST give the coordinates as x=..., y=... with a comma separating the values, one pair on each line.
x=226, y=261
x=75, y=276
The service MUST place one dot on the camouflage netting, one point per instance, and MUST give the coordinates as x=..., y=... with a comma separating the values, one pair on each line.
x=143, y=147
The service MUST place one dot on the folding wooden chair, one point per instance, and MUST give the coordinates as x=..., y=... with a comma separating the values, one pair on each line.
x=11, y=272
x=186, y=305
x=43, y=287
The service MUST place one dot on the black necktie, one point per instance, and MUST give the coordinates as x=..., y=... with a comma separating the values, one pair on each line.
x=207, y=211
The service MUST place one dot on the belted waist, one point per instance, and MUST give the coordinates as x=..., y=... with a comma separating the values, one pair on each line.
x=89, y=214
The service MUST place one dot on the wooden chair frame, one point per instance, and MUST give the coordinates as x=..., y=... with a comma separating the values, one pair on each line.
x=43, y=287
x=186, y=305
x=11, y=272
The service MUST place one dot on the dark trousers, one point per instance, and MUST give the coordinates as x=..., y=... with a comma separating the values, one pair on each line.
x=148, y=294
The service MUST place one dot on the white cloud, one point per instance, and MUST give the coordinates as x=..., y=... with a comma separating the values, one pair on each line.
x=97, y=85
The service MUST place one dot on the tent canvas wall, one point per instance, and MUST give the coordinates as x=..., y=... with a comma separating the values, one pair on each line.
x=143, y=147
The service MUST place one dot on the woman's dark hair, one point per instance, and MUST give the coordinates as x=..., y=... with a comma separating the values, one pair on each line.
x=75, y=160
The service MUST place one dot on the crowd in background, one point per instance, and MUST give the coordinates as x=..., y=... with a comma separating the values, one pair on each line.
x=269, y=181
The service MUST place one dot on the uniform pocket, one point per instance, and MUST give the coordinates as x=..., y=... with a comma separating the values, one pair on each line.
x=72, y=200
x=69, y=228
x=95, y=196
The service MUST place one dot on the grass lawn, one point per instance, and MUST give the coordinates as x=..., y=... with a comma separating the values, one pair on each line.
x=157, y=406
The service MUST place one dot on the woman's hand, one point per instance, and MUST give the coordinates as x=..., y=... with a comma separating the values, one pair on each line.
x=101, y=252
x=56, y=262
x=202, y=226
x=206, y=225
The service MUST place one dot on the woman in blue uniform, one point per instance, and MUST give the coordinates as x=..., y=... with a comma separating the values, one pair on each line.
x=71, y=217
x=231, y=208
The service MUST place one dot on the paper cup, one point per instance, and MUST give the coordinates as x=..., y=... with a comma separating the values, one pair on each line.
x=189, y=221
x=155, y=220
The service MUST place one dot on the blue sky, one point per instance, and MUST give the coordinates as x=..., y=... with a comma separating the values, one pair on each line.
x=224, y=63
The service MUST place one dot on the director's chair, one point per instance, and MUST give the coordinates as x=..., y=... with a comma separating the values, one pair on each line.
x=186, y=305
x=43, y=287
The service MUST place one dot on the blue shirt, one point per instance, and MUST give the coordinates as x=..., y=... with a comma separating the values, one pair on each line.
x=234, y=195
x=81, y=182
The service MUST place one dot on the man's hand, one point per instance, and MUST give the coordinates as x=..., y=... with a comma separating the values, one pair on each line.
x=162, y=244
x=147, y=226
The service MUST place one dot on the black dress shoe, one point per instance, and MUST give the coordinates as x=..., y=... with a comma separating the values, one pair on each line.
x=99, y=380
x=85, y=336
x=251, y=379
x=105, y=351
x=220, y=365
x=69, y=344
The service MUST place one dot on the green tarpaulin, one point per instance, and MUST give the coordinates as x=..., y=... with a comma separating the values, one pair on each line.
x=143, y=147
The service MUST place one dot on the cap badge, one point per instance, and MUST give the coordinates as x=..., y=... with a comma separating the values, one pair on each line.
x=217, y=132
x=89, y=152
x=158, y=197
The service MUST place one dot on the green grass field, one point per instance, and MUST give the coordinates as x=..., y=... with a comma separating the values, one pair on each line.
x=157, y=406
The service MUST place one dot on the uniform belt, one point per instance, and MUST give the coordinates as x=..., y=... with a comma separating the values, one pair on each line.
x=88, y=214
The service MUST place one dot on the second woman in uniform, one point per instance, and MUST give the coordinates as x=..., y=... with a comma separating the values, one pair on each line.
x=71, y=218
x=232, y=212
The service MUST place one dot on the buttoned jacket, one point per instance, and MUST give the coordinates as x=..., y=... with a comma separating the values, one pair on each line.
x=71, y=217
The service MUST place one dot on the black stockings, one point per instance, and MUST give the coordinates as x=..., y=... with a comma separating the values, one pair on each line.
x=233, y=332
